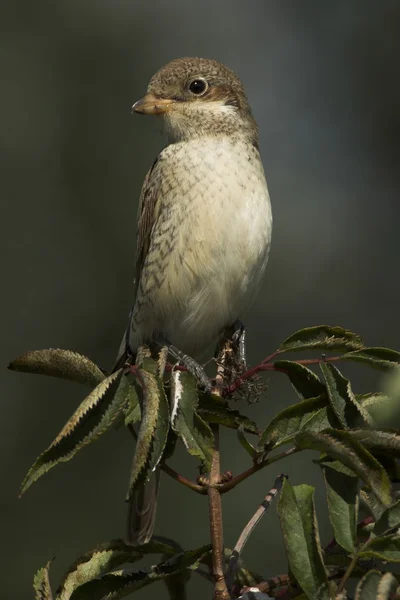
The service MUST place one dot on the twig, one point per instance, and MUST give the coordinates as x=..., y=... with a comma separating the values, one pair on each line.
x=215, y=515
x=200, y=489
x=347, y=574
x=266, y=365
x=214, y=494
x=229, y=485
x=269, y=585
x=247, y=531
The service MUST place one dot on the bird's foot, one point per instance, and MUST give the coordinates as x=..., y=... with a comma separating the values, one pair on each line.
x=239, y=345
x=193, y=367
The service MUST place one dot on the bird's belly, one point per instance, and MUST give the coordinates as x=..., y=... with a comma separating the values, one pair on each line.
x=220, y=246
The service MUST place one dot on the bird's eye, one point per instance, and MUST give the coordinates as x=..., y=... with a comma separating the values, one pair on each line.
x=198, y=87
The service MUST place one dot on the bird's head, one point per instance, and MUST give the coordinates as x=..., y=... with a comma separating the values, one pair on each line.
x=199, y=97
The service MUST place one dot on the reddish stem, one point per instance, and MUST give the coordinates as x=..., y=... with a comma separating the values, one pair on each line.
x=265, y=365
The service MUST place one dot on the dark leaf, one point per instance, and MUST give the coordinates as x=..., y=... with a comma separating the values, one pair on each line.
x=94, y=416
x=119, y=585
x=154, y=426
x=59, y=363
x=384, y=548
x=41, y=584
x=380, y=441
x=376, y=586
x=306, y=383
x=213, y=409
x=340, y=445
x=344, y=403
x=287, y=424
x=324, y=337
x=380, y=358
x=193, y=431
x=300, y=533
x=250, y=449
x=342, y=497
x=390, y=519
x=103, y=559
x=372, y=504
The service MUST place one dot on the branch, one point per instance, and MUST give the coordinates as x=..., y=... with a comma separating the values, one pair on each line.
x=229, y=485
x=214, y=494
x=266, y=365
x=247, y=531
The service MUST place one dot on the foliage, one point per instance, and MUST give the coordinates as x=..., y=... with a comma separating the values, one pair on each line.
x=356, y=455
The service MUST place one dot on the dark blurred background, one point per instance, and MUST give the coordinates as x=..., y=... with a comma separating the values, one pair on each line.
x=323, y=80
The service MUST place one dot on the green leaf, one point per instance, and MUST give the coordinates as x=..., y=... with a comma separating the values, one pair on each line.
x=376, y=586
x=300, y=533
x=103, y=559
x=290, y=421
x=305, y=382
x=214, y=409
x=340, y=445
x=372, y=504
x=342, y=497
x=324, y=337
x=374, y=403
x=384, y=548
x=390, y=519
x=250, y=449
x=343, y=401
x=154, y=427
x=324, y=418
x=132, y=411
x=59, y=363
x=119, y=585
x=94, y=416
x=41, y=584
x=380, y=358
x=375, y=440
x=193, y=431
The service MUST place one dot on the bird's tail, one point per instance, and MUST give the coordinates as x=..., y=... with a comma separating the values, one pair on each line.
x=142, y=511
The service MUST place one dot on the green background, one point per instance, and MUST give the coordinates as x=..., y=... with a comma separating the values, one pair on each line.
x=323, y=82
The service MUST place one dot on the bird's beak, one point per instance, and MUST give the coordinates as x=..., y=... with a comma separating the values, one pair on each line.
x=151, y=105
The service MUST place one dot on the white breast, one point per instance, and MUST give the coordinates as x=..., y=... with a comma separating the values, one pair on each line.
x=219, y=210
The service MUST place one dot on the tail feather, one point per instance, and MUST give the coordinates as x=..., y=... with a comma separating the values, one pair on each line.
x=142, y=511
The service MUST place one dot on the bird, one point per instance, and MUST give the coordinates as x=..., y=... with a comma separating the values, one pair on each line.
x=203, y=227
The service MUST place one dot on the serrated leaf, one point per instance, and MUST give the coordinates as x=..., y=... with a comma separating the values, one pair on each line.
x=119, y=585
x=154, y=427
x=340, y=445
x=132, y=410
x=342, y=497
x=59, y=363
x=384, y=548
x=300, y=533
x=94, y=416
x=343, y=402
x=305, y=382
x=324, y=337
x=376, y=586
x=290, y=421
x=324, y=418
x=248, y=447
x=214, y=409
x=372, y=504
x=390, y=519
x=380, y=358
x=41, y=584
x=373, y=403
x=103, y=559
x=192, y=430
x=377, y=440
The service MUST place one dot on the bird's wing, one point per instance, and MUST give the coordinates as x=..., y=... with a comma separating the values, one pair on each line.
x=146, y=218
x=148, y=201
